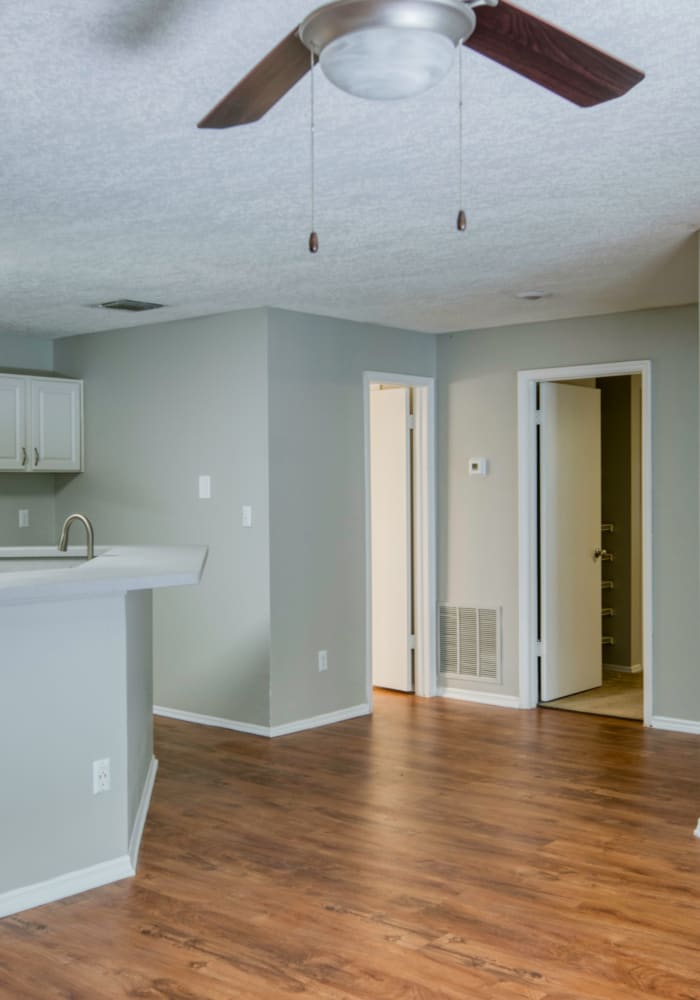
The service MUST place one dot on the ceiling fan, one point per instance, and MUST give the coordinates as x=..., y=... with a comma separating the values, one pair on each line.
x=387, y=49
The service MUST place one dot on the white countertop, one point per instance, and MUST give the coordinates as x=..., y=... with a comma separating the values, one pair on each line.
x=114, y=568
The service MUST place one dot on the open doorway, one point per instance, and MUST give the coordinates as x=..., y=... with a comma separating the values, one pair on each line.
x=400, y=532
x=590, y=566
x=585, y=539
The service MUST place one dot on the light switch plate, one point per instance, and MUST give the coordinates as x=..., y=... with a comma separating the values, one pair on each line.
x=247, y=516
x=205, y=487
x=478, y=466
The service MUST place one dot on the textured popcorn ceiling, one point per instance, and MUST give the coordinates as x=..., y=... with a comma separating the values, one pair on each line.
x=109, y=190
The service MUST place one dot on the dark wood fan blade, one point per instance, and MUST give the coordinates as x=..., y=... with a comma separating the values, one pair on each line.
x=549, y=56
x=263, y=86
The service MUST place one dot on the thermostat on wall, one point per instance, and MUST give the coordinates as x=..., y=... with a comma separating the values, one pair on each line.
x=478, y=466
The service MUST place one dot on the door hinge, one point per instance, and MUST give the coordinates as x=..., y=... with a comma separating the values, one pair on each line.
x=411, y=422
x=538, y=417
x=411, y=642
x=538, y=648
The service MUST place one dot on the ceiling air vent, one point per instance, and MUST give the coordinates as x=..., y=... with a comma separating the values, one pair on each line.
x=130, y=305
x=470, y=642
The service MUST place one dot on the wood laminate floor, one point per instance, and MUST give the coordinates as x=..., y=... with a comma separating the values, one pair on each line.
x=435, y=850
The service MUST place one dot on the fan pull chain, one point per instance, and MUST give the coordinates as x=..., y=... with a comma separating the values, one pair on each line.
x=461, y=216
x=313, y=237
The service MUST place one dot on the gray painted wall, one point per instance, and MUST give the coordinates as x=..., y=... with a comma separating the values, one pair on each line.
x=26, y=491
x=317, y=516
x=25, y=354
x=138, y=610
x=478, y=554
x=164, y=404
x=58, y=713
x=168, y=402
x=33, y=492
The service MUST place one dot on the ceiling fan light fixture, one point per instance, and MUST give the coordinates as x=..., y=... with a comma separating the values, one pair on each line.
x=385, y=50
x=387, y=64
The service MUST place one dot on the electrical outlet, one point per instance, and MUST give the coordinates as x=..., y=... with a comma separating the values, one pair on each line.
x=322, y=660
x=24, y=518
x=101, y=776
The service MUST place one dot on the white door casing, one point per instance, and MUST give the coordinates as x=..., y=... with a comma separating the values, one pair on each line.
x=391, y=542
x=570, y=517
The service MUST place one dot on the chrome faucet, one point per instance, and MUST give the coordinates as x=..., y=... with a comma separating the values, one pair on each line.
x=63, y=541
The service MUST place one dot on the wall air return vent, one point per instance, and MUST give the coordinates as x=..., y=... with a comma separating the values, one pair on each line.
x=470, y=643
x=130, y=305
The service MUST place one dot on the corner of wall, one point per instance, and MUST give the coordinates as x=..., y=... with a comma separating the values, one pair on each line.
x=165, y=403
x=317, y=506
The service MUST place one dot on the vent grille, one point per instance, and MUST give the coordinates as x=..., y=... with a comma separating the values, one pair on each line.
x=449, y=646
x=470, y=642
x=130, y=305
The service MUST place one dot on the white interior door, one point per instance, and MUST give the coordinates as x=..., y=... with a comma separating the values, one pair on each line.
x=570, y=514
x=390, y=512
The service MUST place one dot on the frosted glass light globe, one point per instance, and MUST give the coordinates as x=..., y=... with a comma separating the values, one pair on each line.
x=385, y=64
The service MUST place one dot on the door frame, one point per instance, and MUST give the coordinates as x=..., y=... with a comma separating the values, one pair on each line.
x=424, y=532
x=527, y=519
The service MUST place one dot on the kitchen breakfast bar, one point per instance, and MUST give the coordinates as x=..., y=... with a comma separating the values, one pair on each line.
x=76, y=704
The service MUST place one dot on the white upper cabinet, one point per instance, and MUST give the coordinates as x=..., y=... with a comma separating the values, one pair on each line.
x=40, y=424
x=13, y=419
x=56, y=406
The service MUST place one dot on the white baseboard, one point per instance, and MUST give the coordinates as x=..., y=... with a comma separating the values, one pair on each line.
x=29, y=896
x=481, y=697
x=633, y=668
x=270, y=731
x=675, y=725
x=142, y=812
x=320, y=720
x=211, y=720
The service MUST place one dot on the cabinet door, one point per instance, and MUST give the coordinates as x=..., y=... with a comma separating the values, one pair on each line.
x=13, y=422
x=56, y=423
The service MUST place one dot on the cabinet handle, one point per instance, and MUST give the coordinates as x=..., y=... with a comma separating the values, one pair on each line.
x=24, y=456
x=36, y=458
